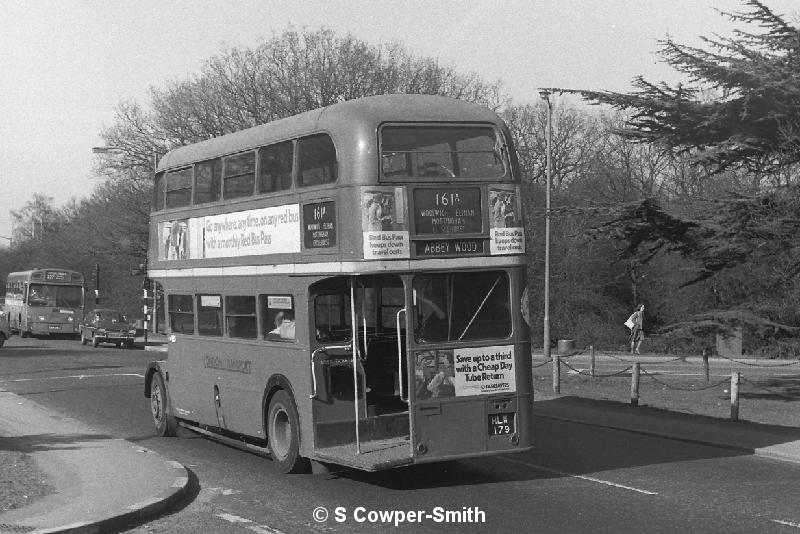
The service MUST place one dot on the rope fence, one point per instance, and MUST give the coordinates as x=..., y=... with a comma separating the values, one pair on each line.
x=635, y=370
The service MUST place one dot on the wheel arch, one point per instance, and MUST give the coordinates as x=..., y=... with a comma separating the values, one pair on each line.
x=152, y=368
x=275, y=383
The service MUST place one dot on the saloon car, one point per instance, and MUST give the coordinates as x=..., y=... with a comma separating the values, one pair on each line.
x=105, y=325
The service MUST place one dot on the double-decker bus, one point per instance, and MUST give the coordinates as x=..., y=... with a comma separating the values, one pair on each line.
x=346, y=286
x=43, y=302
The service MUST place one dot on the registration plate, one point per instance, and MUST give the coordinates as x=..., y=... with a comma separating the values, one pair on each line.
x=501, y=423
x=54, y=327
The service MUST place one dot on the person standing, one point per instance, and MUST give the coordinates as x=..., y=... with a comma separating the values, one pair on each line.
x=637, y=332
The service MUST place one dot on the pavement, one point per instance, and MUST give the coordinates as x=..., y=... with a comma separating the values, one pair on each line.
x=103, y=483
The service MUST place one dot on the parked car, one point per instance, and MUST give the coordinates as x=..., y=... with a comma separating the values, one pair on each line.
x=105, y=325
x=5, y=328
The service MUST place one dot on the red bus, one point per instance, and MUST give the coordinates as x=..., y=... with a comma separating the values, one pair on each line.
x=43, y=302
x=345, y=286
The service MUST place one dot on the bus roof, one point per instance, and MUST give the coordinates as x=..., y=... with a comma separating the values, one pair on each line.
x=358, y=113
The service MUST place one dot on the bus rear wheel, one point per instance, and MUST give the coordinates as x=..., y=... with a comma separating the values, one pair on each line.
x=166, y=426
x=283, y=434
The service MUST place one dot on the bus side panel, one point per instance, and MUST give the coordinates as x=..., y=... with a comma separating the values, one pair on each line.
x=190, y=395
x=240, y=372
x=242, y=385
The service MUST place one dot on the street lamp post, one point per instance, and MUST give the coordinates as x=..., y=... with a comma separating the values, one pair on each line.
x=545, y=94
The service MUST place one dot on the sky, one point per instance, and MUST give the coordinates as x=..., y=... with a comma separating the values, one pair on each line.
x=66, y=65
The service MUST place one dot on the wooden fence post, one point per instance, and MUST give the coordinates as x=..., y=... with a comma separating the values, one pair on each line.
x=735, y=396
x=635, y=385
x=591, y=361
x=556, y=373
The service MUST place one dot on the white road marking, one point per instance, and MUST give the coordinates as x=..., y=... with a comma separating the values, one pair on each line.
x=787, y=523
x=259, y=529
x=582, y=477
x=79, y=377
x=230, y=518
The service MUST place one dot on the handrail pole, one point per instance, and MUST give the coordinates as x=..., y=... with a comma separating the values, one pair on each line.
x=354, y=339
x=400, y=366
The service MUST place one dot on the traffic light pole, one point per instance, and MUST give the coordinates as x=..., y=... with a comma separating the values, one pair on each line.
x=145, y=307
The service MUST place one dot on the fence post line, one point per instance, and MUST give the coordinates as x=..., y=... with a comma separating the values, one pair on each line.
x=635, y=385
x=556, y=373
x=735, y=376
x=705, y=364
x=591, y=360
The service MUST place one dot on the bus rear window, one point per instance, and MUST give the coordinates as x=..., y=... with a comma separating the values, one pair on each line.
x=434, y=153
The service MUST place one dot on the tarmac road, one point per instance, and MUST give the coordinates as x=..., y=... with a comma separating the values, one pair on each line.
x=586, y=476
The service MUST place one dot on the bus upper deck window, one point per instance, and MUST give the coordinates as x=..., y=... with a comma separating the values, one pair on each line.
x=434, y=152
x=158, y=192
x=275, y=167
x=317, y=160
x=179, y=188
x=207, y=178
x=240, y=175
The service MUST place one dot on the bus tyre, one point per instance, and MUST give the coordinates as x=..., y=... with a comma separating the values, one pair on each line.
x=283, y=434
x=166, y=426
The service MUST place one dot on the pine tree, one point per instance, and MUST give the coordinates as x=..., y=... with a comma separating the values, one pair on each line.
x=752, y=121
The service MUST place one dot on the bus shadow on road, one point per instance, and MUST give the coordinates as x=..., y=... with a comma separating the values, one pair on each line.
x=583, y=437
x=443, y=474
x=47, y=442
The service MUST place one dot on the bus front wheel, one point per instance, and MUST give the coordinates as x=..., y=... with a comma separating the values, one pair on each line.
x=166, y=426
x=283, y=434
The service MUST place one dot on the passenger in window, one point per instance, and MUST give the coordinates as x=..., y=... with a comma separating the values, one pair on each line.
x=284, y=326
